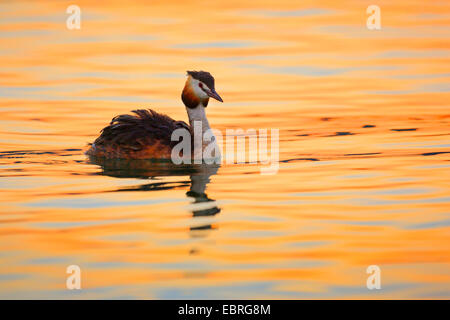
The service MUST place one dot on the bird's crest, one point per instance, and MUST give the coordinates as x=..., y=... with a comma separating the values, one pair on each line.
x=204, y=77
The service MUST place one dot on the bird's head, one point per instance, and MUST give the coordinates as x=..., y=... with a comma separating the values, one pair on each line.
x=198, y=89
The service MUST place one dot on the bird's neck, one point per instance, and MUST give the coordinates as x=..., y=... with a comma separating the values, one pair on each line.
x=198, y=114
x=197, y=119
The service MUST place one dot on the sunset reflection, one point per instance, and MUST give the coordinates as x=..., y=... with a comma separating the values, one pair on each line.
x=363, y=179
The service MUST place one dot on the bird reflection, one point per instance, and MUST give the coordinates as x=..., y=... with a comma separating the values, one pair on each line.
x=199, y=177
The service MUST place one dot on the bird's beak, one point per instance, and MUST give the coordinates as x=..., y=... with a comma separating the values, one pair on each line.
x=215, y=95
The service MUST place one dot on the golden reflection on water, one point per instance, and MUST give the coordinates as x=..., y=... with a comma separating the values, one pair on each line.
x=364, y=151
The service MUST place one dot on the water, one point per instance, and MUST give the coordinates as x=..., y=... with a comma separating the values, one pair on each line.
x=364, y=151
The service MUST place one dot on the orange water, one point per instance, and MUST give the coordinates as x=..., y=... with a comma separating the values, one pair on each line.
x=346, y=196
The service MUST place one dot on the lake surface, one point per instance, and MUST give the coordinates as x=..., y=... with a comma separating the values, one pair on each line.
x=363, y=178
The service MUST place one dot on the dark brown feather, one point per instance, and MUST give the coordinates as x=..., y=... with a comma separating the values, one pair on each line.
x=147, y=134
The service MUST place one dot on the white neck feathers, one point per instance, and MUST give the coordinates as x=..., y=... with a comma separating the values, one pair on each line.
x=198, y=114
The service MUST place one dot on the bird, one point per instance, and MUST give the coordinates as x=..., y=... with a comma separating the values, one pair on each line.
x=146, y=134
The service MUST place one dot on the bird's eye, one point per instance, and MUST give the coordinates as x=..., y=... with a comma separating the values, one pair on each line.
x=200, y=85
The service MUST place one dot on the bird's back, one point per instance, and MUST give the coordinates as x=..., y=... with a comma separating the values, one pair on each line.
x=144, y=135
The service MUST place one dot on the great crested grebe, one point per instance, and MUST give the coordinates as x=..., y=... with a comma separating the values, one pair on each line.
x=147, y=134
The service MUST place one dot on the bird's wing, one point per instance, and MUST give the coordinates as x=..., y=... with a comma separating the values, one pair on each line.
x=138, y=131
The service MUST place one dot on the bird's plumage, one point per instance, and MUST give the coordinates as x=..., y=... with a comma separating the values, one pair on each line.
x=147, y=134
